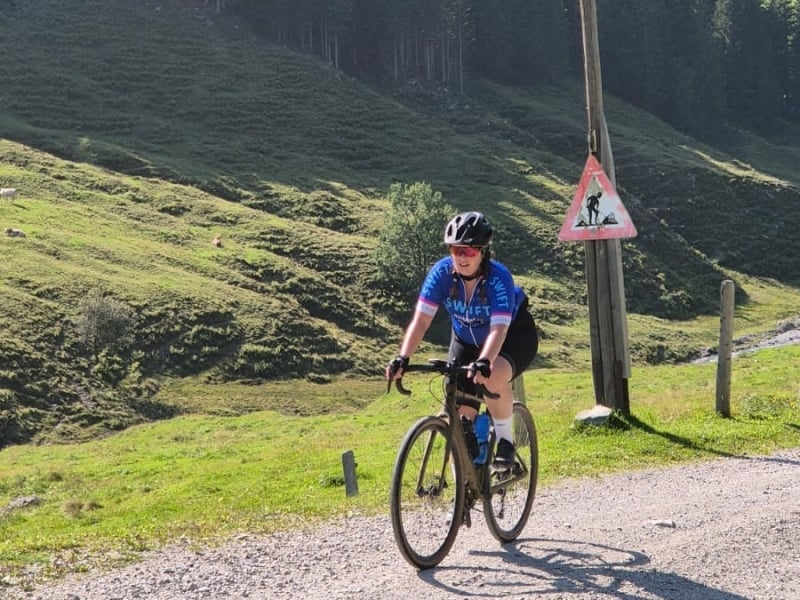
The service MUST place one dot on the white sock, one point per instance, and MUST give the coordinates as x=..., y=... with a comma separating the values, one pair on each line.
x=502, y=429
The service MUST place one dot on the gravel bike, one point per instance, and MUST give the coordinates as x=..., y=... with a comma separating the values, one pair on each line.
x=436, y=484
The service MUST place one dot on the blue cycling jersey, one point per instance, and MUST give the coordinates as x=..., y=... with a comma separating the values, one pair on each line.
x=472, y=318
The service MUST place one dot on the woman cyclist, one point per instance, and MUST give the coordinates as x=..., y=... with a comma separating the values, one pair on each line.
x=492, y=330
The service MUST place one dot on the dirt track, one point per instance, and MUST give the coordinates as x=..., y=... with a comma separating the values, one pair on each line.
x=728, y=529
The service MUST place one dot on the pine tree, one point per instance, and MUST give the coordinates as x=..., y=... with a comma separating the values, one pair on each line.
x=752, y=93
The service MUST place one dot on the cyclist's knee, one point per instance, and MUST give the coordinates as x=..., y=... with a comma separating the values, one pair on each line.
x=502, y=372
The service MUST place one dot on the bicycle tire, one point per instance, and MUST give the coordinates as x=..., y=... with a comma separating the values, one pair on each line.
x=423, y=492
x=507, y=509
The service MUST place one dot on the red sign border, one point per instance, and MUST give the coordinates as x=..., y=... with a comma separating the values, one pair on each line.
x=627, y=229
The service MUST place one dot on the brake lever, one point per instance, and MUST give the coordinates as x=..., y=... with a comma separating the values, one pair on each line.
x=482, y=391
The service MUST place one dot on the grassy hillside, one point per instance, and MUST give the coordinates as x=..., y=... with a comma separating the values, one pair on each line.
x=135, y=132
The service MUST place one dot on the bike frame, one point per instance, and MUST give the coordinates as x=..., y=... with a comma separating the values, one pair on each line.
x=476, y=477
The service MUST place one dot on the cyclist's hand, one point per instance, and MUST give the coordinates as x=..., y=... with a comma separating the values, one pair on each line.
x=396, y=367
x=480, y=370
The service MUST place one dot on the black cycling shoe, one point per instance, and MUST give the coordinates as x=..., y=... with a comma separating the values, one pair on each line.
x=504, y=457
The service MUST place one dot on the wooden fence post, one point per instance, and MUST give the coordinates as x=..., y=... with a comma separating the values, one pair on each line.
x=726, y=292
x=518, y=389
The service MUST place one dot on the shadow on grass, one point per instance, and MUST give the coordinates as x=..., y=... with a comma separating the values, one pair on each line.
x=627, y=422
x=631, y=421
x=154, y=411
x=554, y=568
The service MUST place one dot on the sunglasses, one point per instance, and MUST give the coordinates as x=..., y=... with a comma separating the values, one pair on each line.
x=468, y=251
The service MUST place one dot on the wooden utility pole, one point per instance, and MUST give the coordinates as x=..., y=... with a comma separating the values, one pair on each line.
x=606, y=291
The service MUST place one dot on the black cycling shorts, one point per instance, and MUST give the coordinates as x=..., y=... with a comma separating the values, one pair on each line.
x=519, y=348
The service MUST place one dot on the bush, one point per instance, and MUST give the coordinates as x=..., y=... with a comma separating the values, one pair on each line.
x=103, y=323
x=411, y=240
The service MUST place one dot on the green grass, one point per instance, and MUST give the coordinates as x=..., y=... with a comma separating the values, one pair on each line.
x=130, y=158
x=135, y=136
x=204, y=477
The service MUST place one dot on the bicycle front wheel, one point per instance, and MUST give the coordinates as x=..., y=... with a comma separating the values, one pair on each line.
x=427, y=496
x=509, y=503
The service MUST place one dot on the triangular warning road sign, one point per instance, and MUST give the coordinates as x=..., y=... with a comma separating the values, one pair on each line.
x=596, y=212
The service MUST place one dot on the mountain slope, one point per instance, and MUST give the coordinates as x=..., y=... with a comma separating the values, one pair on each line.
x=137, y=132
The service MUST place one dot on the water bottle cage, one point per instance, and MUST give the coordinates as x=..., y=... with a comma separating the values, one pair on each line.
x=469, y=437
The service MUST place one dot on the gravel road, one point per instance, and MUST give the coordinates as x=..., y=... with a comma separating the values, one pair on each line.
x=726, y=529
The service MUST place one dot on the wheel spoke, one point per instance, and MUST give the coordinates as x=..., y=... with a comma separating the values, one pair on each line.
x=425, y=493
x=509, y=504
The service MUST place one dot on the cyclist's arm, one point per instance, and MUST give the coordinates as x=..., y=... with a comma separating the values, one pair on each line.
x=415, y=332
x=494, y=343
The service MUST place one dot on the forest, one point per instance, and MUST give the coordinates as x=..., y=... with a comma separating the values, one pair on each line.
x=697, y=64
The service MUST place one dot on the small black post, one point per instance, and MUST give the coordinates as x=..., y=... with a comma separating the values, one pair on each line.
x=349, y=466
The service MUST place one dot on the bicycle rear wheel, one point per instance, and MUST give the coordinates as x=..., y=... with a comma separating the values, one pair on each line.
x=508, y=506
x=427, y=496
